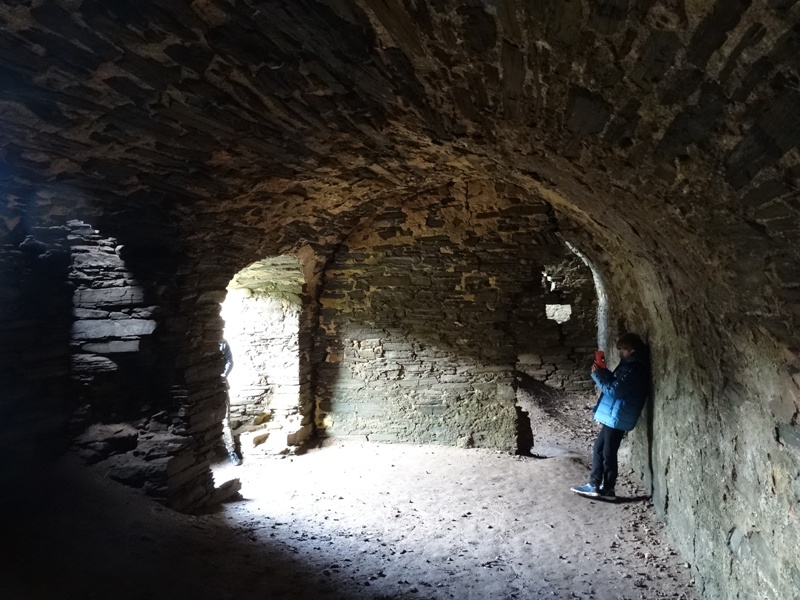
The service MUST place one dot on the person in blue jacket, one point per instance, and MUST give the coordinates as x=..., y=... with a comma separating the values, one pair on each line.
x=622, y=398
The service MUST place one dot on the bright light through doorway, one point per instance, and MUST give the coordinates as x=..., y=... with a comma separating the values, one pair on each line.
x=262, y=314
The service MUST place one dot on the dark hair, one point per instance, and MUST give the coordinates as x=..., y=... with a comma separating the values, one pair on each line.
x=632, y=342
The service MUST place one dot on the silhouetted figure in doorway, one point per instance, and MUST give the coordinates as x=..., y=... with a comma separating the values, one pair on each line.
x=227, y=434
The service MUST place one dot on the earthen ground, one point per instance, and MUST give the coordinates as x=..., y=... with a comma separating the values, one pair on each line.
x=346, y=521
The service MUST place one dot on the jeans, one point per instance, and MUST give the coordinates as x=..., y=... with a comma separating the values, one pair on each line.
x=604, y=457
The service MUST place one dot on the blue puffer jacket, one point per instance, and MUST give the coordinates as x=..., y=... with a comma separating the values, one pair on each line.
x=623, y=393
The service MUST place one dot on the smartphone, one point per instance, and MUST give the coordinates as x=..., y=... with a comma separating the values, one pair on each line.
x=600, y=359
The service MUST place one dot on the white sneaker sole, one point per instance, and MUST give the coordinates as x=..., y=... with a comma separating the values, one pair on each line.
x=586, y=494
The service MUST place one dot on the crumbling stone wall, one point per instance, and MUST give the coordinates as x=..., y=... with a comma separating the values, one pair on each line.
x=111, y=332
x=420, y=319
x=80, y=358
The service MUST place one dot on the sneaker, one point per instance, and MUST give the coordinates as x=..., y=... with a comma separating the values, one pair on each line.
x=608, y=494
x=234, y=458
x=588, y=490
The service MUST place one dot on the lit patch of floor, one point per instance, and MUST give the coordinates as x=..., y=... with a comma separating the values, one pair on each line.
x=396, y=521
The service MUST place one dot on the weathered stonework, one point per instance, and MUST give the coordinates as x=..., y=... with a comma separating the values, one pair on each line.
x=125, y=414
x=663, y=137
x=423, y=315
x=568, y=345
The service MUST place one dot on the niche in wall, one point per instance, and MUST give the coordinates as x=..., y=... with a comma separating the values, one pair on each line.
x=130, y=412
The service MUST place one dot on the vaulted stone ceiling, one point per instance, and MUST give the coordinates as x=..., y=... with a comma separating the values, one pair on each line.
x=665, y=134
x=668, y=129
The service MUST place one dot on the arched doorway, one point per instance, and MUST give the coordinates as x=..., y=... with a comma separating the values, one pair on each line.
x=269, y=384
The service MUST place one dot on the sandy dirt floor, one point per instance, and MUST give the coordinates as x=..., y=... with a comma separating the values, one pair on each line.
x=349, y=521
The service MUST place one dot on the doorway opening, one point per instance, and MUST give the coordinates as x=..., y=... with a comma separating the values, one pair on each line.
x=563, y=312
x=555, y=352
x=269, y=385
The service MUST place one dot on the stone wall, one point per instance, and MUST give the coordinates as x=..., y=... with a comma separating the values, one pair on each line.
x=111, y=339
x=128, y=411
x=571, y=339
x=665, y=132
x=718, y=443
x=89, y=358
x=423, y=315
x=720, y=446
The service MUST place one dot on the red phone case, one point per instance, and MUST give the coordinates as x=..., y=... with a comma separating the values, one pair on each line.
x=600, y=358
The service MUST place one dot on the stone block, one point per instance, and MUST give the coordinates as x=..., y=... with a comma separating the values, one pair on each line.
x=182, y=469
x=529, y=359
x=133, y=471
x=383, y=437
x=300, y=436
x=108, y=297
x=391, y=281
x=735, y=538
x=92, y=363
x=97, y=260
x=432, y=410
x=106, y=328
x=587, y=113
x=656, y=58
x=88, y=313
x=113, y=347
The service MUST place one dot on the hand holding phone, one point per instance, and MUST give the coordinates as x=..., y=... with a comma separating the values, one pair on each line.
x=600, y=359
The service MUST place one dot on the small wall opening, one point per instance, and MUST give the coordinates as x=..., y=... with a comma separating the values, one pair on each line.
x=268, y=385
x=560, y=313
